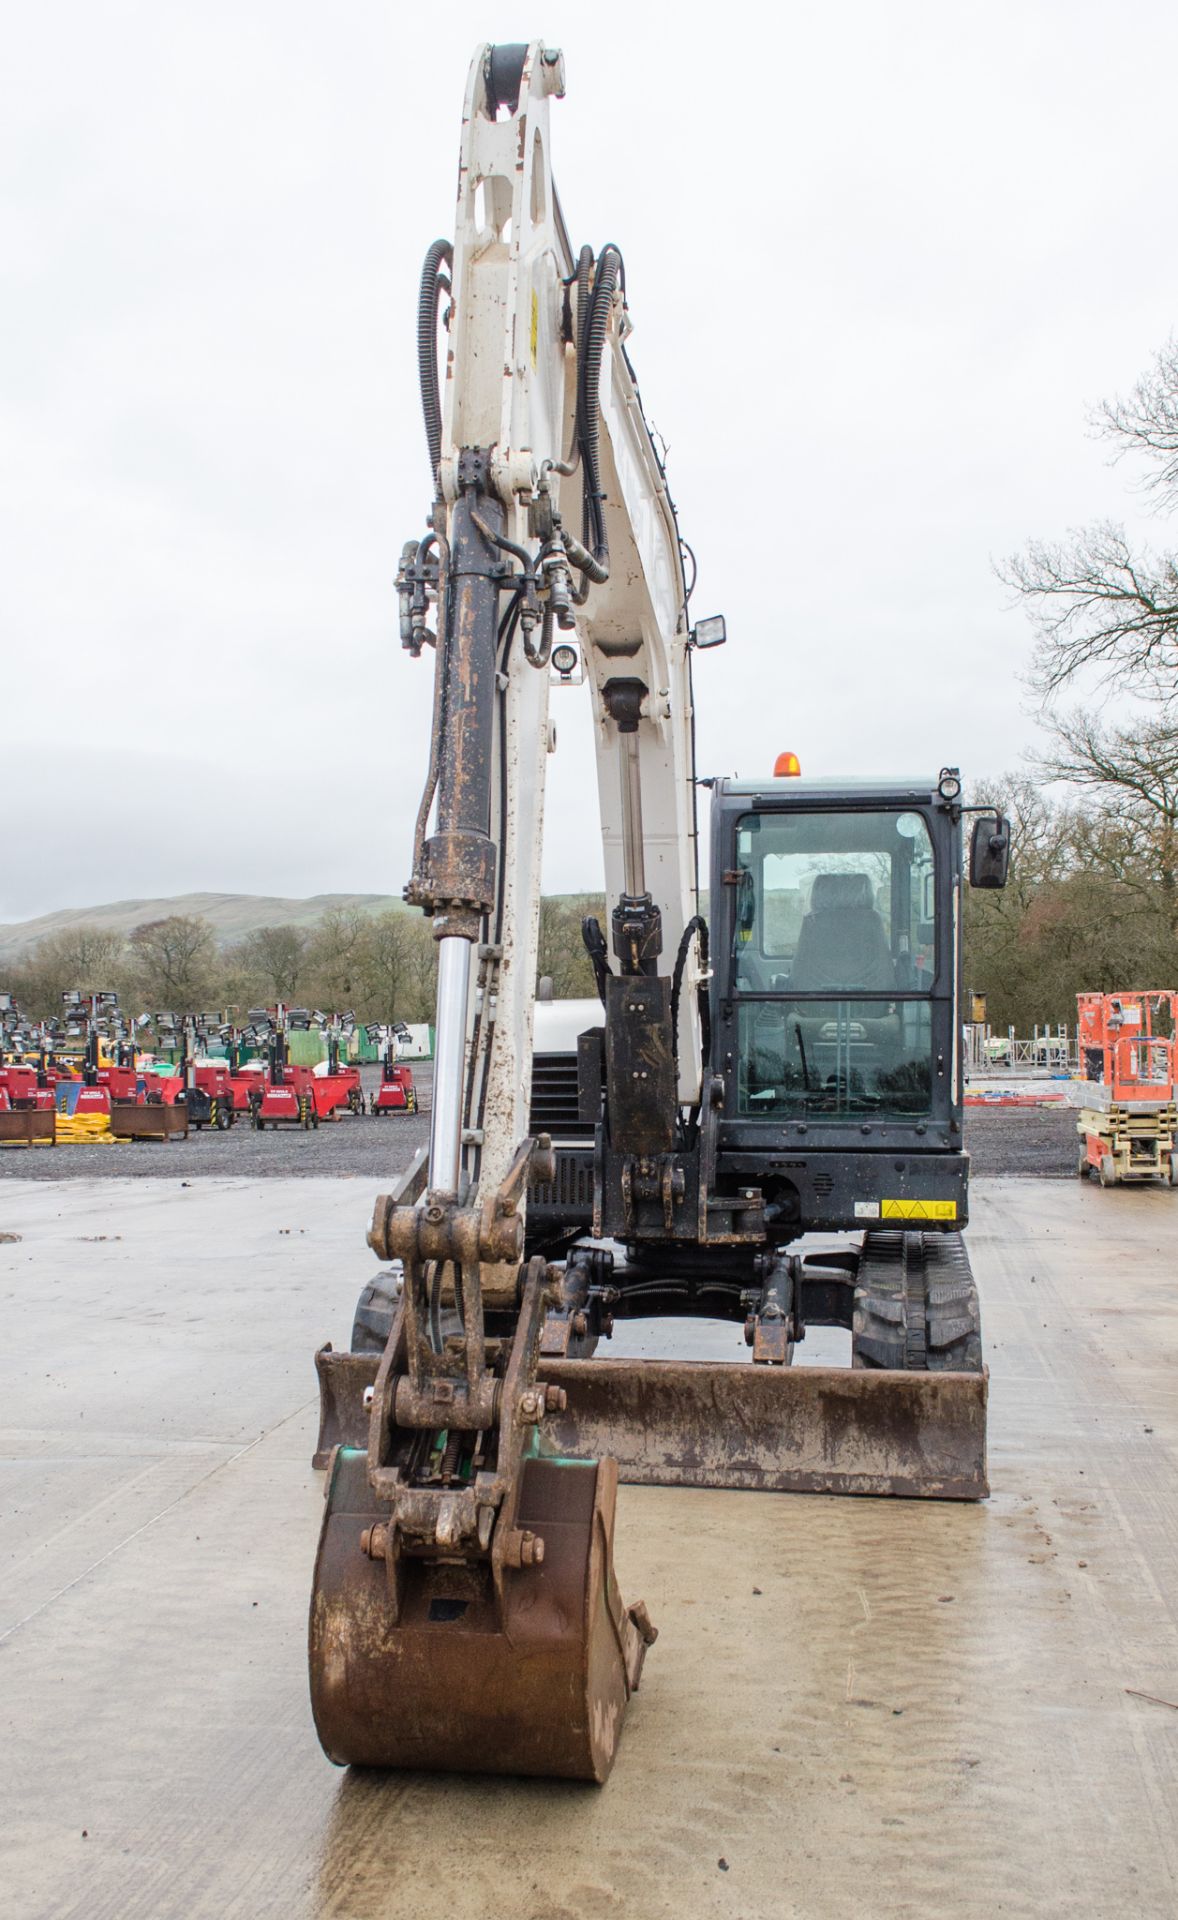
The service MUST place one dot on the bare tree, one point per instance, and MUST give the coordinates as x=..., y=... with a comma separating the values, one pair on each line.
x=1131, y=834
x=421, y=969
x=1093, y=600
x=275, y=955
x=335, y=956
x=90, y=958
x=386, y=964
x=1086, y=908
x=1147, y=422
x=175, y=960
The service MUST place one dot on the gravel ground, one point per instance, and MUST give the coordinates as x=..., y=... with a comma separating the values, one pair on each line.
x=1027, y=1141
x=351, y=1145
x=1034, y=1142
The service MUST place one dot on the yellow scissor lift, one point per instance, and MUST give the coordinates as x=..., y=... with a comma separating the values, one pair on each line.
x=1128, y=1115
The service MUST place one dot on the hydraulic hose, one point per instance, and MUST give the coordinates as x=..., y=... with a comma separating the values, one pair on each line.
x=584, y=270
x=581, y=558
x=591, y=345
x=433, y=284
x=697, y=926
x=439, y=712
x=596, y=948
x=526, y=594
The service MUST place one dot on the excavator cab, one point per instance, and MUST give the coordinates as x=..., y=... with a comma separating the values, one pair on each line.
x=835, y=996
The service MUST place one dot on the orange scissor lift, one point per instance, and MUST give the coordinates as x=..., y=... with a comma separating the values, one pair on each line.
x=1128, y=1121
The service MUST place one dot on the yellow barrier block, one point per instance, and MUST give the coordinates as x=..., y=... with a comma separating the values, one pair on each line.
x=84, y=1129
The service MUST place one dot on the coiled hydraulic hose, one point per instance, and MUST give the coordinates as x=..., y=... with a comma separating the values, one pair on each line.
x=434, y=283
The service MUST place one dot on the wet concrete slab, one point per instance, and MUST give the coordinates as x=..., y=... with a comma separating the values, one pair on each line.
x=856, y=1707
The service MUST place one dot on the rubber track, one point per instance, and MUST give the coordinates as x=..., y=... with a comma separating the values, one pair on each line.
x=916, y=1305
x=374, y=1317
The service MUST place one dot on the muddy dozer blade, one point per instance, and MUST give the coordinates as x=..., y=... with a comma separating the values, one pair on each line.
x=784, y=1429
x=446, y=1678
x=780, y=1429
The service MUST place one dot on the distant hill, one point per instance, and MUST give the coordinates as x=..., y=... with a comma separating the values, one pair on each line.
x=231, y=914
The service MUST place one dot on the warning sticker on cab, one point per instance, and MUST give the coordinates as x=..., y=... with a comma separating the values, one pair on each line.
x=905, y=1209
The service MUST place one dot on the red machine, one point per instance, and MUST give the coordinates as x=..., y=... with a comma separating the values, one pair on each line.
x=207, y=1093
x=244, y=1082
x=210, y=1094
x=241, y=1081
x=278, y=1104
x=26, y=1109
x=283, y=1097
x=290, y=1093
x=1129, y=1066
x=23, y=1086
x=344, y=1080
x=396, y=1092
x=122, y=1083
x=327, y=1092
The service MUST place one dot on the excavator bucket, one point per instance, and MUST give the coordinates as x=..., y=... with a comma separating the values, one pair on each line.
x=449, y=1675
x=767, y=1428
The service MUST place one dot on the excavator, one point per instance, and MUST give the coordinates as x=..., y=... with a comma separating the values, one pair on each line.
x=788, y=1067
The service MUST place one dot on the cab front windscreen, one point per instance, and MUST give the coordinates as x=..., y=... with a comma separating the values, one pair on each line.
x=834, y=957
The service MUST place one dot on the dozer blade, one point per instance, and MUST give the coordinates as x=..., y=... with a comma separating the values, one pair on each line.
x=704, y=1424
x=673, y=1423
x=448, y=1679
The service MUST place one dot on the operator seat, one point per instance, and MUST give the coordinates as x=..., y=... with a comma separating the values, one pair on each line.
x=842, y=943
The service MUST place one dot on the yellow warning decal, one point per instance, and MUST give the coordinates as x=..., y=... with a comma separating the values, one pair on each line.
x=535, y=324
x=918, y=1209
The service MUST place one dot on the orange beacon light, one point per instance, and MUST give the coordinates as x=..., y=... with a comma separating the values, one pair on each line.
x=786, y=764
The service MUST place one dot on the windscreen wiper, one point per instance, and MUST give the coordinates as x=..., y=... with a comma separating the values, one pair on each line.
x=802, y=1051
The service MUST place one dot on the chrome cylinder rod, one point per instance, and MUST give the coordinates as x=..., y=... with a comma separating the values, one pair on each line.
x=633, y=853
x=445, y=1133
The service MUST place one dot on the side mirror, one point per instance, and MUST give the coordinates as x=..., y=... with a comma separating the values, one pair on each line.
x=989, y=851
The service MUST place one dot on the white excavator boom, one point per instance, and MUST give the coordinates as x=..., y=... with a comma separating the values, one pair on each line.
x=511, y=386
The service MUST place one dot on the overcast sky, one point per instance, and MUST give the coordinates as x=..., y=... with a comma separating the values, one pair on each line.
x=880, y=260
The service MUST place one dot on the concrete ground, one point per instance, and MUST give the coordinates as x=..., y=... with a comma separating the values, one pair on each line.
x=855, y=1707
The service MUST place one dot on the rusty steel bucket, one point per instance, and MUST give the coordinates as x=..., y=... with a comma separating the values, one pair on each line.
x=450, y=1676
x=131, y=1121
x=28, y=1124
x=727, y=1424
